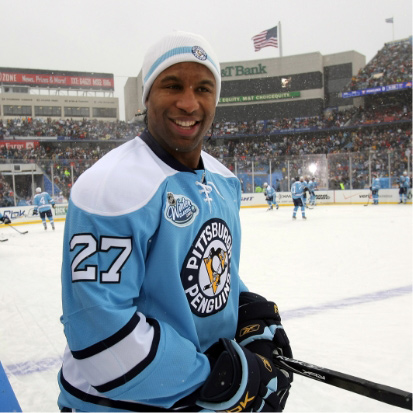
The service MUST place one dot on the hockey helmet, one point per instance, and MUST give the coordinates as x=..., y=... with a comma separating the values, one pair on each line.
x=38, y=190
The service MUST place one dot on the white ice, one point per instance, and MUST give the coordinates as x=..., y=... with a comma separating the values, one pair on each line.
x=342, y=281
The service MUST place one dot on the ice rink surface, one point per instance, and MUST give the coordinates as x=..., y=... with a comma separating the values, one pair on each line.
x=342, y=281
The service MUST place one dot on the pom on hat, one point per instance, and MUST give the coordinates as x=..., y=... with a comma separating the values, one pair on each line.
x=176, y=48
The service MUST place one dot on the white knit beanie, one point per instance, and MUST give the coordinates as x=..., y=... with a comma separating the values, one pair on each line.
x=176, y=48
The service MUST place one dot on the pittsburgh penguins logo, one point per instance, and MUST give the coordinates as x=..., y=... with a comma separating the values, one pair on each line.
x=205, y=274
x=216, y=264
x=199, y=53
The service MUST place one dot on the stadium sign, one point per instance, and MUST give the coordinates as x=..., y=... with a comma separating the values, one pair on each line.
x=378, y=89
x=257, y=98
x=56, y=79
x=240, y=70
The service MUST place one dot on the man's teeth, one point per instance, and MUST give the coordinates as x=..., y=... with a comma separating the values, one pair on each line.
x=185, y=124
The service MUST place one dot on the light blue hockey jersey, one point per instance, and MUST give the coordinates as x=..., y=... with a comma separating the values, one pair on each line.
x=297, y=190
x=43, y=202
x=270, y=191
x=149, y=277
x=311, y=185
x=404, y=181
x=375, y=185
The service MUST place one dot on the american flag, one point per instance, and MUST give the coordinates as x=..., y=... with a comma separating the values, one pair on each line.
x=266, y=38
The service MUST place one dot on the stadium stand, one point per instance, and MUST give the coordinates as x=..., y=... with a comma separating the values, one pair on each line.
x=375, y=137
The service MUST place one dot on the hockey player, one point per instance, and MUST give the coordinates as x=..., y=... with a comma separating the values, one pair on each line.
x=154, y=311
x=43, y=204
x=297, y=191
x=404, y=185
x=375, y=186
x=312, y=185
x=305, y=188
x=270, y=196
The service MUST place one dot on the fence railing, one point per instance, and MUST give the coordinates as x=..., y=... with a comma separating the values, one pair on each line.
x=332, y=171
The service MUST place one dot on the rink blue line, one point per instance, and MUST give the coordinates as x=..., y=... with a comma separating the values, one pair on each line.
x=30, y=367
x=347, y=302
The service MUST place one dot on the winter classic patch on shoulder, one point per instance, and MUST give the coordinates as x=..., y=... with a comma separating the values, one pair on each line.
x=180, y=210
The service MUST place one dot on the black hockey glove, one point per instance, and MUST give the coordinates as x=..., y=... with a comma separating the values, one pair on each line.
x=6, y=220
x=242, y=381
x=259, y=327
x=35, y=212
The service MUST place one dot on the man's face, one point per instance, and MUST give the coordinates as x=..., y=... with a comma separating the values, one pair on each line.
x=181, y=108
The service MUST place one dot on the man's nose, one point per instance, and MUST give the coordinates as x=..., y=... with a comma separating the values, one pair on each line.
x=187, y=100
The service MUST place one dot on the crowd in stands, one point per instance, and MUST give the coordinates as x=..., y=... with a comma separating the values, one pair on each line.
x=83, y=129
x=66, y=162
x=392, y=64
x=92, y=130
x=367, y=133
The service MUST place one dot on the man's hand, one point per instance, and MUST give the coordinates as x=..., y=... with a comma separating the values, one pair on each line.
x=6, y=220
x=241, y=380
x=259, y=327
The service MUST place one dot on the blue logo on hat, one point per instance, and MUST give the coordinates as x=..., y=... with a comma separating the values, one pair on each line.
x=199, y=53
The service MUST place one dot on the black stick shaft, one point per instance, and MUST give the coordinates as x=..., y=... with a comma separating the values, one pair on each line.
x=24, y=232
x=380, y=392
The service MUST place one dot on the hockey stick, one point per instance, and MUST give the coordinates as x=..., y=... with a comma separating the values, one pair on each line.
x=20, y=232
x=380, y=392
x=368, y=201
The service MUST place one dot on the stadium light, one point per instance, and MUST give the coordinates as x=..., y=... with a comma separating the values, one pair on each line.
x=312, y=168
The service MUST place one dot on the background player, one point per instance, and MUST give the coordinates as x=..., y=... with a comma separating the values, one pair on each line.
x=297, y=191
x=270, y=196
x=305, y=189
x=375, y=186
x=312, y=185
x=404, y=186
x=43, y=204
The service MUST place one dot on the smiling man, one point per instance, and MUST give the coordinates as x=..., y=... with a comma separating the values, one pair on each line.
x=155, y=314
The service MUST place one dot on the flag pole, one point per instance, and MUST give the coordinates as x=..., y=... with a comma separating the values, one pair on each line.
x=280, y=39
x=392, y=25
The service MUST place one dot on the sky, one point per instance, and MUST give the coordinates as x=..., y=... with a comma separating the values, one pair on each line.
x=342, y=280
x=111, y=36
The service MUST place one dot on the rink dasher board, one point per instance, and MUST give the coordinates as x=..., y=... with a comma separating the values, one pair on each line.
x=22, y=215
x=336, y=197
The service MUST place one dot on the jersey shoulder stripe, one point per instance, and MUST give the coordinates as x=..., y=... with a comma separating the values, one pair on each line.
x=214, y=166
x=121, y=175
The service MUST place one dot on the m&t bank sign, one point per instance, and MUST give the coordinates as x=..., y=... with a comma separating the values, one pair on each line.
x=239, y=70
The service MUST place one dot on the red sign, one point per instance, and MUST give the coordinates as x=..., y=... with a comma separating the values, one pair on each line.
x=19, y=144
x=54, y=80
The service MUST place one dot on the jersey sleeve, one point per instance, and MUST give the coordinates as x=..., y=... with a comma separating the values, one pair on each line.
x=112, y=346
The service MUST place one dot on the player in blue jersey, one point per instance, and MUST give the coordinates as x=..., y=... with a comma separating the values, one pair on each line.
x=305, y=188
x=270, y=196
x=404, y=185
x=375, y=186
x=155, y=314
x=297, y=191
x=312, y=185
x=43, y=204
